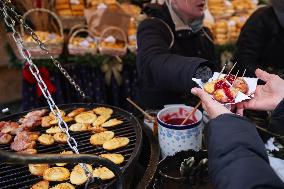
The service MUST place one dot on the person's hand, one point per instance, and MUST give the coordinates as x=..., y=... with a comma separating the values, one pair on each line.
x=267, y=96
x=212, y=107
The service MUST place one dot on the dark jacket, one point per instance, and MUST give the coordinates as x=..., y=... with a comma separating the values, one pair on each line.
x=261, y=43
x=237, y=157
x=166, y=63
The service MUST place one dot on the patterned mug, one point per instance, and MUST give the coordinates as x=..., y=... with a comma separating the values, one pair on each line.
x=174, y=137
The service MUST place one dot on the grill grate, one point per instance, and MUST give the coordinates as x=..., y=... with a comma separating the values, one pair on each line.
x=18, y=176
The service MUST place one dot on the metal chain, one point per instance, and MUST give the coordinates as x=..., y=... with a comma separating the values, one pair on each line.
x=43, y=47
x=35, y=72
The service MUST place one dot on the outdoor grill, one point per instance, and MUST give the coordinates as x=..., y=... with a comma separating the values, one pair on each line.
x=18, y=176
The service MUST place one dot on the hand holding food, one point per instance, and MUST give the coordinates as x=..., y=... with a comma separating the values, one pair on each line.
x=213, y=108
x=266, y=97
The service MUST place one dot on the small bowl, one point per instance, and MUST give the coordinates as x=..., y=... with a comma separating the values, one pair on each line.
x=175, y=138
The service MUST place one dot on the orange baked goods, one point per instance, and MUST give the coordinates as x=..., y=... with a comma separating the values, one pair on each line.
x=225, y=90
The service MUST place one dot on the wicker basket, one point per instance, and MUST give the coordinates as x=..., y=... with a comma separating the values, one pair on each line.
x=54, y=49
x=81, y=50
x=109, y=50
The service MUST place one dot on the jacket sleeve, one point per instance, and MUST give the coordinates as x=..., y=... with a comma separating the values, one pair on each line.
x=237, y=157
x=277, y=119
x=251, y=43
x=169, y=71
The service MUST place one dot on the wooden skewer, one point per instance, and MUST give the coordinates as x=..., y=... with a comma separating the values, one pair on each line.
x=191, y=113
x=141, y=110
x=244, y=74
x=231, y=69
x=236, y=76
x=223, y=69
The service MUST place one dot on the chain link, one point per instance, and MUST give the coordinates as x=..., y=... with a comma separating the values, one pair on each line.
x=42, y=46
x=35, y=72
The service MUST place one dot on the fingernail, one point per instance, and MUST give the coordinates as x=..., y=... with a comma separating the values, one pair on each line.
x=193, y=91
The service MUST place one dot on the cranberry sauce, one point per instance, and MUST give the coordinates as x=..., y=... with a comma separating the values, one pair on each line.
x=176, y=118
x=178, y=121
x=221, y=85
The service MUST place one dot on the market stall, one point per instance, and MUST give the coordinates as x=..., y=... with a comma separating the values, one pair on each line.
x=85, y=61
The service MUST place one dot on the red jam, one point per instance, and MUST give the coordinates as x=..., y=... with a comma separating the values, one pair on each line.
x=230, y=78
x=178, y=121
x=228, y=94
x=221, y=85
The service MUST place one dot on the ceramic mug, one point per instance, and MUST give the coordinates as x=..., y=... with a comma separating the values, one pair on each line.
x=175, y=138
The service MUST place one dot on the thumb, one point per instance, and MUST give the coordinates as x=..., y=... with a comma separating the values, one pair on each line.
x=263, y=75
x=205, y=97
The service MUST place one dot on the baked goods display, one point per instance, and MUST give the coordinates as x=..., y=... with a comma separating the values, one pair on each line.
x=79, y=45
x=229, y=18
x=41, y=185
x=70, y=8
x=45, y=37
x=225, y=89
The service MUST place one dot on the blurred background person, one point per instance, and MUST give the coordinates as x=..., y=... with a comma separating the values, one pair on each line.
x=261, y=42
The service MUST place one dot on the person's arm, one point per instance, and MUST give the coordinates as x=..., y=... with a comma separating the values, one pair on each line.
x=237, y=157
x=251, y=43
x=168, y=71
x=277, y=119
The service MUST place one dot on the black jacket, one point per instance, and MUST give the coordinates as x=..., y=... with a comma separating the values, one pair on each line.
x=166, y=63
x=261, y=43
x=237, y=157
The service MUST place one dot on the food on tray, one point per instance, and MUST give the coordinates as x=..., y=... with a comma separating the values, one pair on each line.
x=225, y=89
x=64, y=185
x=37, y=113
x=23, y=140
x=75, y=112
x=241, y=85
x=66, y=119
x=45, y=37
x=103, y=111
x=70, y=8
x=79, y=127
x=115, y=143
x=62, y=113
x=38, y=169
x=45, y=121
x=115, y=45
x=96, y=129
x=83, y=42
x=60, y=137
x=101, y=119
x=66, y=153
x=115, y=158
x=41, y=185
x=86, y=117
x=56, y=174
x=9, y=127
x=103, y=173
x=112, y=123
x=5, y=138
x=46, y=139
x=78, y=175
x=101, y=138
x=31, y=120
x=53, y=130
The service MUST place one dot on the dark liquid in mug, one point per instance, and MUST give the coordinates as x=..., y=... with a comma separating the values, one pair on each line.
x=178, y=121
